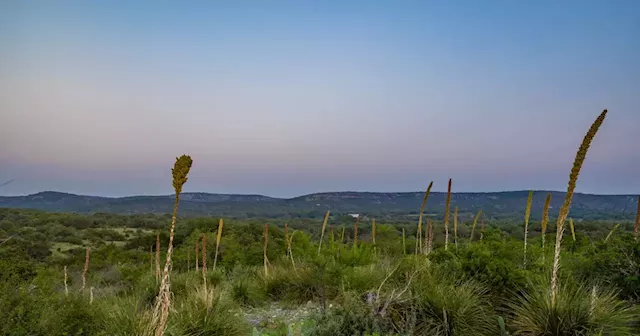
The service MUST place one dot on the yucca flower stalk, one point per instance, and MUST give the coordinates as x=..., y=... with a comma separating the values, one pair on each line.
x=404, y=243
x=204, y=261
x=158, y=257
x=475, y=222
x=455, y=226
x=481, y=228
x=615, y=227
x=161, y=312
x=564, y=210
x=266, y=243
x=545, y=221
x=573, y=230
x=355, y=232
x=324, y=227
x=66, y=287
x=87, y=257
x=286, y=239
x=429, y=235
x=527, y=214
x=446, y=217
x=636, y=227
x=419, y=248
x=218, y=238
x=197, y=248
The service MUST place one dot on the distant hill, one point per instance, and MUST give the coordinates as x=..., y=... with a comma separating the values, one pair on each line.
x=497, y=205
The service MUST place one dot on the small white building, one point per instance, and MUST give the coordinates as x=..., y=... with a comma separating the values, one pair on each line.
x=355, y=215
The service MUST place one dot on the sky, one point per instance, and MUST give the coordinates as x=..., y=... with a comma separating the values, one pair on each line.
x=285, y=98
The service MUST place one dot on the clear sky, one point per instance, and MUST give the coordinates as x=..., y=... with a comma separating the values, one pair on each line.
x=291, y=97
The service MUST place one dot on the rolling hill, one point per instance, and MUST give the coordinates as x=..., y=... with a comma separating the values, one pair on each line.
x=497, y=205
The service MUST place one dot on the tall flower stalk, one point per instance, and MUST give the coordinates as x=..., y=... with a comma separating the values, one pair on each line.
x=161, y=312
x=527, y=214
x=564, y=210
x=419, y=247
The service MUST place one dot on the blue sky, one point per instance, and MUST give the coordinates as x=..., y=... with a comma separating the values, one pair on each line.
x=290, y=97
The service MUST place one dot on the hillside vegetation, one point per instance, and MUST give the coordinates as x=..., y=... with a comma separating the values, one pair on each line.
x=456, y=273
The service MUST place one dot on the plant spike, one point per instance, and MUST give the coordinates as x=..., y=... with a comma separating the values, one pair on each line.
x=611, y=232
x=446, y=217
x=161, y=312
x=573, y=229
x=527, y=214
x=564, y=210
x=636, y=227
x=475, y=222
x=218, y=238
x=324, y=226
x=419, y=247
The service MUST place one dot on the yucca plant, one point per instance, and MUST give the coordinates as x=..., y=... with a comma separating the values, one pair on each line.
x=527, y=214
x=161, y=312
x=576, y=310
x=446, y=217
x=564, y=210
x=419, y=248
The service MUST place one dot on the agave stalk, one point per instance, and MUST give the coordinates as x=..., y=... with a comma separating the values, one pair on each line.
x=204, y=261
x=473, y=226
x=355, y=232
x=293, y=263
x=455, y=226
x=404, y=243
x=266, y=243
x=324, y=227
x=161, y=312
x=545, y=221
x=66, y=287
x=527, y=214
x=636, y=227
x=157, y=257
x=286, y=239
x=481, y=228
x=197, y=248
x=615, y=227
x=218, y=238
x=564, y=210
x=419, y=247
x=446, y=217
x=373, y=231
x=429, y=235
x=573, y=229
x=87, y=256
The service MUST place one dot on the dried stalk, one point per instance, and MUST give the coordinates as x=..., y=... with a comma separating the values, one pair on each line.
x=615, y=227
x=197, y=248
x=66, y=287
